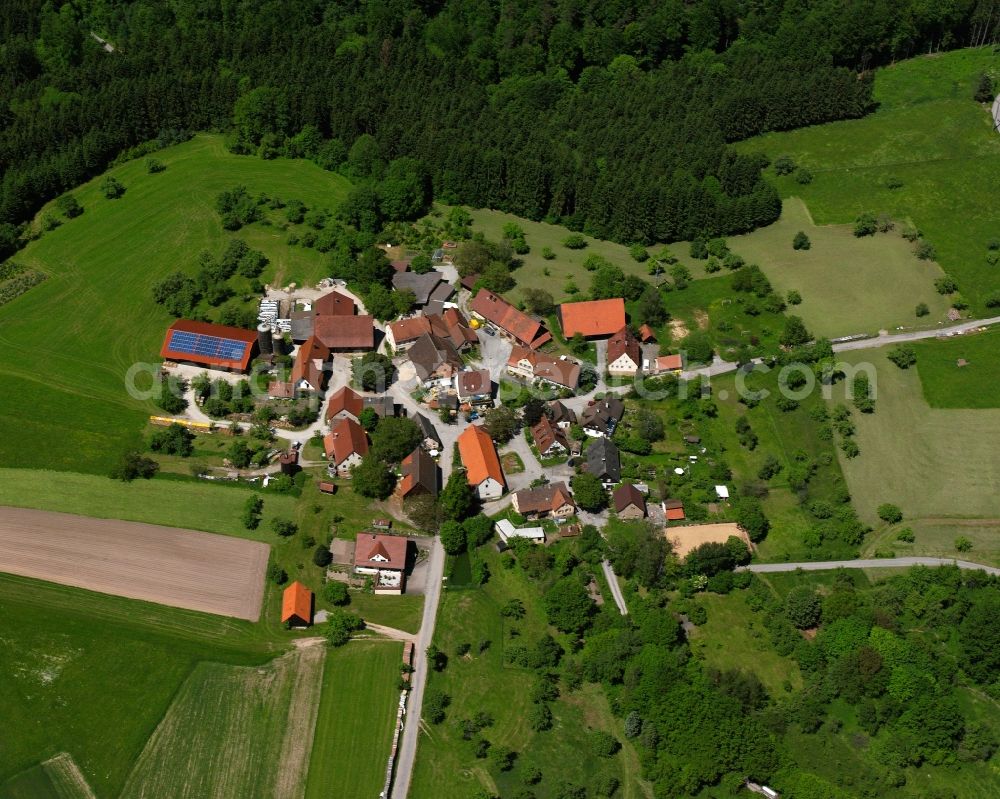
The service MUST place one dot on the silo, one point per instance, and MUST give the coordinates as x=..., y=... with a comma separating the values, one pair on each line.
x=264, y=339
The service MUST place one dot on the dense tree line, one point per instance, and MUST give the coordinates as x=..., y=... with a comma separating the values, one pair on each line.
x=612, y=118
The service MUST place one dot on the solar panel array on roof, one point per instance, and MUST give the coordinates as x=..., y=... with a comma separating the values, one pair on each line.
x=213, y=346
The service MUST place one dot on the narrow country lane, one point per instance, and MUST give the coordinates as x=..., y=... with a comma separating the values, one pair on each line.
x=869, y=563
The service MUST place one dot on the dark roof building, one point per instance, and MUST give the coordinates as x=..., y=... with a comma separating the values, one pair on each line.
x=420, y=475
x=474, y=385
x=562, y=415
x=434, y=357
x=628, y=501
x=603, y=416
x=549, y=438
x=382, y=405
x=422, y=286
x=603, y=460
x=553, y=499
x=431, y=437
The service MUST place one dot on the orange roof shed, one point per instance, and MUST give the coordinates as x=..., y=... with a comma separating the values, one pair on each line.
x=297, y=604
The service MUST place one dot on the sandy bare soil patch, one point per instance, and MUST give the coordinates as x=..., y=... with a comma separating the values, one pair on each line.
x=688, y=537
x=678, y=330
x=182, y=568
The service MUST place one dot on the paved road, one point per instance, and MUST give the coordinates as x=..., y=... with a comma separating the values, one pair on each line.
x=873, y=563
x=915, y=335
x=616, y=590
x=407, y=752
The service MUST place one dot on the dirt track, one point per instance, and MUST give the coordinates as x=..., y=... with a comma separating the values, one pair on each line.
x=181, y=568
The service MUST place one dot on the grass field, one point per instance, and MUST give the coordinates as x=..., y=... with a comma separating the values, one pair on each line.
x=56, y=778
x=175, y=503
x=948, y=385
x=92, y=675
x=94, y=317
x=357, y=712
x=235, y=731
x=848, y=285
x=930, y=135
x=446, y=766
x=735, y=637
x=401, y=612
x=938, y=465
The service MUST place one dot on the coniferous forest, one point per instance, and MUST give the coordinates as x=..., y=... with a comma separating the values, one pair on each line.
x=612, y=117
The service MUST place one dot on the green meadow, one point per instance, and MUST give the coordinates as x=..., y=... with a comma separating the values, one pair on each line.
x=928, y=135
x=938, y=465
x=357, y=714
x=92, y=675
x=149, y=700
x=848, y=285
x=947, y=383
x=446, y=767
x=66, y=345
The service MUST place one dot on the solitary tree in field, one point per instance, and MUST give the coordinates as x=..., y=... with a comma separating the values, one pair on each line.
x=890, y=513
x=801, y=241
x=984, y=89
x=112, y=188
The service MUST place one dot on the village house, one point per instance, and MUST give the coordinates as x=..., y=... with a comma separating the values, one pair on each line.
x=553, y=500
x=562, y=416
x=434, y=358
x=427, y=287
x=593, y=318
x=549, y=439
x=307, y=371
x=449, y=325
x=419, y=475
x=514, y=324
x=506, y=530
x=297, y=606
x=665, y=363
x=474, y=386
x=345, y=446
x=383, y=558
x=628, y=502
x=432, y=440
x=479, y=456
x=647, y=335
x=531, y=365
x=602, y=418
x=604, y=461
x=344, y=403
x=624, y=353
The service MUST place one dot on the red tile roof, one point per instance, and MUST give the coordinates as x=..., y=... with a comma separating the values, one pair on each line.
x=345, y=399
x=380, y=551
x=345, y=332
x=296, y=604
x=546, y=434
x=647, y=334
x=592, y=318
x=305, y=366
x=346, y=438
x=624, y=343
x=545, y=499
x=334, y=304
x=564, y=373
x=479, y=456
x=406, y=330
x=675, y=514
x=508, y=318
x=249, y=337
x=669, y=363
